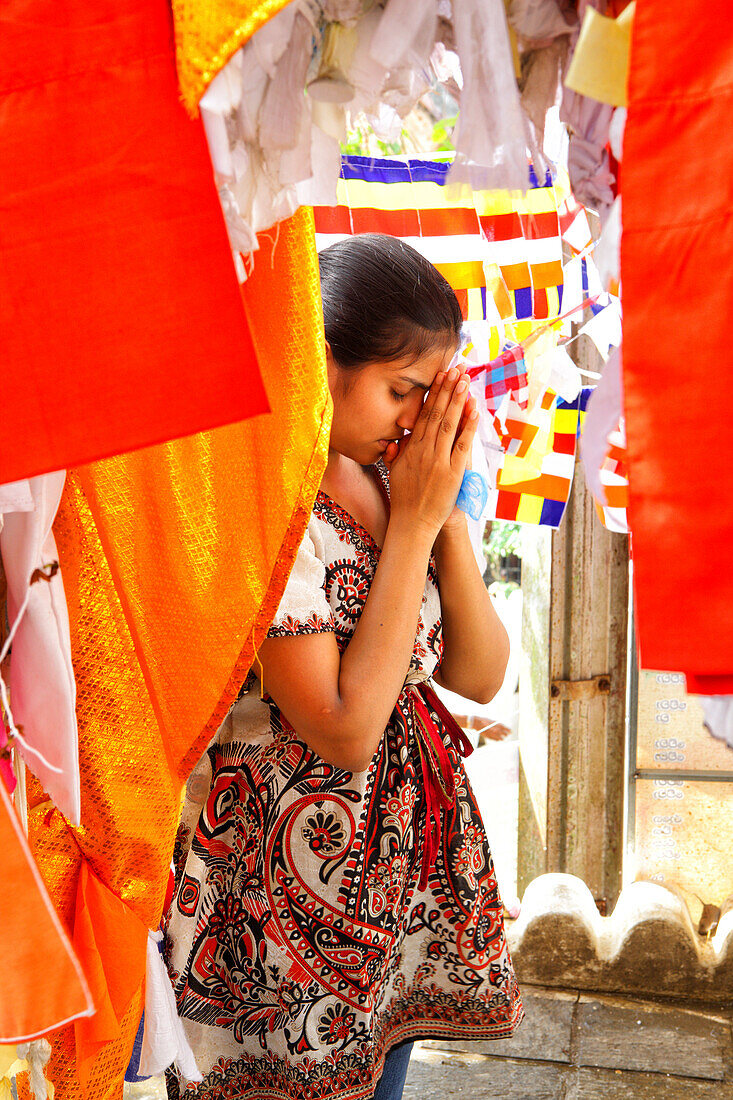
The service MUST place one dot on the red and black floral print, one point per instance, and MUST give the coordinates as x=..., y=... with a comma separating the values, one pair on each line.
x=301, y=945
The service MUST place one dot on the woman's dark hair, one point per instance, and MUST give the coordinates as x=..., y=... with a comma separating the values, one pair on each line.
x=383, y=300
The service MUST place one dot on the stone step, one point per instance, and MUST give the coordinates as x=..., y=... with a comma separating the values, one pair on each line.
x=606, y=1032
x=467, y=1077
x=543, y=1035
x=455, y=1076
x=651, y=1038
x=604, y=1084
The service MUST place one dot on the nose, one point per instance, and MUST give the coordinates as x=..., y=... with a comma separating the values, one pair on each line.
x=411, y=410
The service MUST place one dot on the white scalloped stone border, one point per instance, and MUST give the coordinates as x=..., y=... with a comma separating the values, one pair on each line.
x=648, y=945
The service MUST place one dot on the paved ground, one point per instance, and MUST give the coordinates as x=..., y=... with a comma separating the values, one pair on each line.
x=595, y=1048
x=574, y=1047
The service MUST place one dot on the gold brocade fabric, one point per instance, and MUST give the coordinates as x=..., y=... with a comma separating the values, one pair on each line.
x=208, y=33
x=174, y=560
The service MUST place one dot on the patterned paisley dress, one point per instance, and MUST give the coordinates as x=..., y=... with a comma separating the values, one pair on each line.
x=323, y=917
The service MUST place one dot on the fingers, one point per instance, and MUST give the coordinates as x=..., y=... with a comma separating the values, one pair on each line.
x=449, y=425
x=423, y=420
x=432, y=415
x=391, y=454
x=461, y=454
x=467, y=410
x=446, y=411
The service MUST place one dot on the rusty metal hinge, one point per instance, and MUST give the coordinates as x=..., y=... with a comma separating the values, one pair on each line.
x=572, y=690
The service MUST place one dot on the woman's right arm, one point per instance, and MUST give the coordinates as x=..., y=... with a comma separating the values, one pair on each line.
x=341, y=704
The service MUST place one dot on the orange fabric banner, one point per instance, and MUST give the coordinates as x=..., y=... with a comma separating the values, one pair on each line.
x=174, y=560
x=42, y=982
x=676, y=264
x=121, y=322
x=101, y=924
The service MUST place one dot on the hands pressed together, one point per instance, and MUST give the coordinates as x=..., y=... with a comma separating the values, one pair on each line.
x=427, y=467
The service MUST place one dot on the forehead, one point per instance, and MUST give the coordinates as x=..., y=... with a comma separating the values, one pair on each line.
x=424, y=368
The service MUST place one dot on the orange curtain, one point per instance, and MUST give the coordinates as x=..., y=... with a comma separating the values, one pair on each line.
x=121, y=323
x=42, y=981
x=676, y=260
x=174, y=559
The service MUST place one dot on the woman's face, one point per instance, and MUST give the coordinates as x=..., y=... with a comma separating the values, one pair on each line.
x=380, y=401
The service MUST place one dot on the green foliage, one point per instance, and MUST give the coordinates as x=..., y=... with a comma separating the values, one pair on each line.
x=443, y=134
x=503, y=540
x=503, y=588
x=363, y=143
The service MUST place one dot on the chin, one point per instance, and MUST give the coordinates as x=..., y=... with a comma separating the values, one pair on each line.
x=369, y=455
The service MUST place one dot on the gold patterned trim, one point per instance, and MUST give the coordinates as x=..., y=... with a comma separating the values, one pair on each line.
x=278, y=579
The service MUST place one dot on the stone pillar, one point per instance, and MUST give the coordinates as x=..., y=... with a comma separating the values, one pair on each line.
x=587, y=704
x=534, y=702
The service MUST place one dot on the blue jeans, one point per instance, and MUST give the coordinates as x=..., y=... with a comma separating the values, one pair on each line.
x=392, y=1081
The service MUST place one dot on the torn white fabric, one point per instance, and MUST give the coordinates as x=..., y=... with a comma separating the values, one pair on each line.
x=492, y=136
x=588, y=121
x=616, y=131
x=554, y=369
x=603, y=413
x=718, y=711
x=405, y=33
x=275, y=114
x=605, y=328
x=538, y=19
x=607, y=253
x=41, y=676
x=164, y=1040
x=16, y=496
x=37, y=1054
x=589, y=168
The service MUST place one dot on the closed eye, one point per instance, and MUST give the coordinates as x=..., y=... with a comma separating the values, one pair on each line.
x=398, y=396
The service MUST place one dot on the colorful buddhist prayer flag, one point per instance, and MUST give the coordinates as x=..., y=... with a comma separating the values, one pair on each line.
x=535, y=481
x=501, y=253
x=507, y=374
x=574, y=227
x=612, y=511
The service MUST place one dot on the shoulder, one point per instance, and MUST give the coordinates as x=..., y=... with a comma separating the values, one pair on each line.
x=310, y=559
x=304, y=608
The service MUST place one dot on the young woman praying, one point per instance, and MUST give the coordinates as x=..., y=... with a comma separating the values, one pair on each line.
x=335, y=894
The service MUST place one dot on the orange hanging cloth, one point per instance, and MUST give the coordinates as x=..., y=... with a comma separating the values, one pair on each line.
x=121, y=323
x=42, y=981
x=676, y=264
x=174, y=560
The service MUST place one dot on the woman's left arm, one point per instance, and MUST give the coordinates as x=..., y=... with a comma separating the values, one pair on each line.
x=476, y=645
